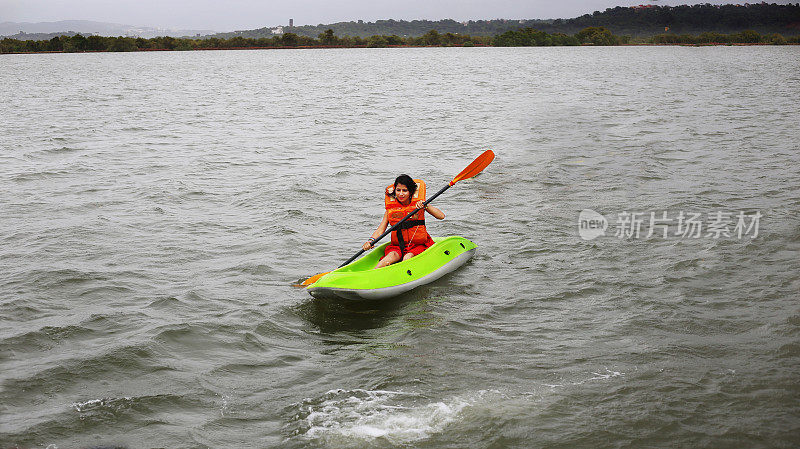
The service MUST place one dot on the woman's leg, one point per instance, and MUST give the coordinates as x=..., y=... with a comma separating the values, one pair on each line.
x=388, y=259
x=416, y=250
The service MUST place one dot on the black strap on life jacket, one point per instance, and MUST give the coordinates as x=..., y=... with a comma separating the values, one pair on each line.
x=406, y=225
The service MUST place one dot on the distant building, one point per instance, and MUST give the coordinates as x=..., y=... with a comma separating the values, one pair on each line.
x=278, y=30
x=291, y=22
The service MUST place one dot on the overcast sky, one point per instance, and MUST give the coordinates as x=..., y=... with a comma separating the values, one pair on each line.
x=231, y=15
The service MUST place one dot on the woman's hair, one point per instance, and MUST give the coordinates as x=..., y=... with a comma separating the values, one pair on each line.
x=408, y=182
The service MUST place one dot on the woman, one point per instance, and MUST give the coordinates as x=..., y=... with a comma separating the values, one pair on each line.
x=410, y=238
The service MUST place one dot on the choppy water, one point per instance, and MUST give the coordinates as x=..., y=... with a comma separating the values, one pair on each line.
x=156, y=207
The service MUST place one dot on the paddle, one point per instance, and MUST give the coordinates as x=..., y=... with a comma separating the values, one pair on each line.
x=472, y=169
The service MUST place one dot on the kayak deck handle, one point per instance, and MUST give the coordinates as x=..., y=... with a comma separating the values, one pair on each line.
x=409, y=272
x=447, y=253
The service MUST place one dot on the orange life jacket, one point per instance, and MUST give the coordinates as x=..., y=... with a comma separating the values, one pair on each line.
x=412, y=231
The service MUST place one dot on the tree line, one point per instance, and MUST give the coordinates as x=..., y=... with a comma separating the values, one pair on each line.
x=633, y=21
x=688, y=19
x=529, y=37
x=603, y=36
x=79, y=43
x=514, y=38
x=744, y=37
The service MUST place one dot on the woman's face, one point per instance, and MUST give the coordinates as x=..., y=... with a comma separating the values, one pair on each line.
x=401, y=193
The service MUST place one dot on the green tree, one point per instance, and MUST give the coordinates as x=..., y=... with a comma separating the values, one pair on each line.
x=775, y=39
x=289, y=40
x=530, y=37
x=185, y=44
x=664, y=38
x=67, y=47
x=78, y=42
x=168, y=42
x=711, y=38
x=596, y=36
x=237, y=42
x=394, y=40
x=95, y=43
x=564, y=39
x=123, y=44
x=55, y=44
x=749, y=37
x=264, y=42
x=449, y=39
x=328, y=38
x=377, y=41
x=212, y=42
x=35, y=46
x=9, y=45
x=306, y=41
x=432, y=37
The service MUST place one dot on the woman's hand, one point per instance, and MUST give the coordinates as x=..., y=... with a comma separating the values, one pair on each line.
x=367, y=245
x=421, y=205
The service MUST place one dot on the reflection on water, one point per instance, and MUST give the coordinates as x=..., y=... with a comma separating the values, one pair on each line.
x=331, y=316
x=341, y=315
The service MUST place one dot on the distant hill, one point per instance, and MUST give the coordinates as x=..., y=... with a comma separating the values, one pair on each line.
x=643, y=21
x=402, y=28
x=40, y=30
x=647, y=20
x=22, y=36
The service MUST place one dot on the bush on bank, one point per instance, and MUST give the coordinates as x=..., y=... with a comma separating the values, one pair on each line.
x=744, y=37
x=525, y=37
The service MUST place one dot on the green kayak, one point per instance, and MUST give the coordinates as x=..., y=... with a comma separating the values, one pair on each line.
x=360, y=279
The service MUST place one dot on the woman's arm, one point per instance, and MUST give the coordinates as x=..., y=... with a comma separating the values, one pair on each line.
x=432, y=210
x=379, y=231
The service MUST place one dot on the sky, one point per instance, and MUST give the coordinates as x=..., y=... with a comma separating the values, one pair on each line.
x=249, y=14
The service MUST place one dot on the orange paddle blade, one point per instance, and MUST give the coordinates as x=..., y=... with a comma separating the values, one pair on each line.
x=475, y=167
x=312, y=279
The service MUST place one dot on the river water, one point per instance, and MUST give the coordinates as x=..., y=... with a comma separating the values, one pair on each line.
x=156, y=209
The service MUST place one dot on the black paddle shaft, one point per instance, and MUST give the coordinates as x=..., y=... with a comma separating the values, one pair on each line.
x=389, y=231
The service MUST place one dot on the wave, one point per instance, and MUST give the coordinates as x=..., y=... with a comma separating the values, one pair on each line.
x=354, y=417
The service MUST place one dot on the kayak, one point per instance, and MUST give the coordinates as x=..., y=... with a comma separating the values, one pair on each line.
x=360, y=279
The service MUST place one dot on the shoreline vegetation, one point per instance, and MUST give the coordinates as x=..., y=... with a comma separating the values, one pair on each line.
x=526, y=37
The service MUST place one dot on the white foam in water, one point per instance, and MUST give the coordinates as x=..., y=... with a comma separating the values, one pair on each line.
x=607, y=375
x=364, y=415
x=81, y=406
x=596, y=376
x=94, y=403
